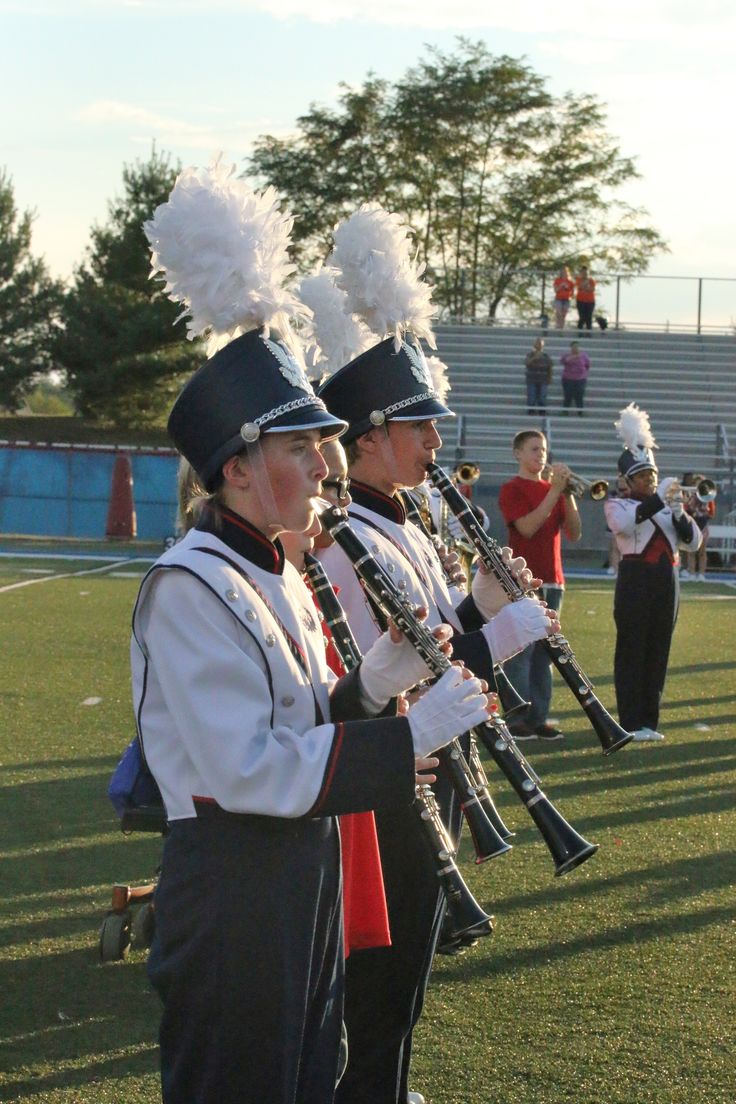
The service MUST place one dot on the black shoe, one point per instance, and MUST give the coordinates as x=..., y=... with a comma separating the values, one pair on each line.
x=549, y=732
x=520, y=730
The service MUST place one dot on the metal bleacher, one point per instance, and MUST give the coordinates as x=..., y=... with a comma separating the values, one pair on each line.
x=684, y=381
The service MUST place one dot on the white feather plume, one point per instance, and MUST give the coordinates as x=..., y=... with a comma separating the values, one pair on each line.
x=633, y=428
x=440, y=381
x=336, y=333
x=222, y=250
x=382, y=280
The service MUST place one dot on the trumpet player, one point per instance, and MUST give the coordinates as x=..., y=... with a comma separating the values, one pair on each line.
x=702, y=509
x=649, y=526
x=537, y=511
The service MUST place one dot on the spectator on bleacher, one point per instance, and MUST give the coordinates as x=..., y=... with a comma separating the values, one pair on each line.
x=575, y=369
x=538, y=378
x=585, y=298
x=564, y=286
x=702, y=514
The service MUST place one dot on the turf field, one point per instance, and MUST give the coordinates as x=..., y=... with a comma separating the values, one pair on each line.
x=615, y=983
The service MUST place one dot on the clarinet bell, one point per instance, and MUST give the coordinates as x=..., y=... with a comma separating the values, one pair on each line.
x=609, y=732
x=466, y=920
x=511, y=700
x=566, y=846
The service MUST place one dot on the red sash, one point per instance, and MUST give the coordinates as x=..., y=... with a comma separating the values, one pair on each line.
x=363, y=896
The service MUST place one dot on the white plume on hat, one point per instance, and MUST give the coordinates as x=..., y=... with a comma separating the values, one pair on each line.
x=438, y=372
x=382, y=281
x=634, y=430
x=223, y=252
x=334, y=336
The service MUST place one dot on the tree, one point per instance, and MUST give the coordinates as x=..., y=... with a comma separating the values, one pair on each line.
x=29, y=303
x=500, y=180
x=124, y=356
x=337, y=159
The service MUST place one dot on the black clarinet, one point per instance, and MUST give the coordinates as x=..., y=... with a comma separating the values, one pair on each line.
x=467, y=919
x=510, y=698
x=469, y=781
x=610, y=733
x=488, y=842
x=567, y=847
x=474, y=762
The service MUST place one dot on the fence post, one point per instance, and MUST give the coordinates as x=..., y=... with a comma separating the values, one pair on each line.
x=618, y=299
x=542, y=311
x=700, y=299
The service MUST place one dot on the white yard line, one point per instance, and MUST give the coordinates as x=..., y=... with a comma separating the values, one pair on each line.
x=73, y=556
x=74, y=574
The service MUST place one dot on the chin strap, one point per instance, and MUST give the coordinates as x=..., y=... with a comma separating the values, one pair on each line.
x=263, y=486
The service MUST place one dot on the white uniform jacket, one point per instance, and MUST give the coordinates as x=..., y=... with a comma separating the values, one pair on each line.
x=411, y=560
x=226, y=711
x=633, y=537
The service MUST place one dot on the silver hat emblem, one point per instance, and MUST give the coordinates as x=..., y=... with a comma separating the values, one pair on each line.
x=288, y=365
x=418, y=364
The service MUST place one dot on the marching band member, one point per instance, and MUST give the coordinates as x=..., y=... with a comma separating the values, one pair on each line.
x=649, y=530
x=391, y=402
x=253, y=742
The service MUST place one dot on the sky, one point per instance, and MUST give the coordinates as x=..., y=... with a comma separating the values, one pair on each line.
x=89, y=85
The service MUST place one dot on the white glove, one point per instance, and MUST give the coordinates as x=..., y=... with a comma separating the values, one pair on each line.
x=449, y=708
x=677, y=510
x=664, y=486
x=517, y=625
x=389, y=669
x=454, y=528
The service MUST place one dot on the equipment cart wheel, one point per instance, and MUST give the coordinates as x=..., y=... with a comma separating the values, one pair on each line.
x=144, y=922
x=115, y=936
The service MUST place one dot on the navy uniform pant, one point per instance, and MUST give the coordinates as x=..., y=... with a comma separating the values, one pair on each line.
x=385, y=986
x=248, y=960
x=645, y=609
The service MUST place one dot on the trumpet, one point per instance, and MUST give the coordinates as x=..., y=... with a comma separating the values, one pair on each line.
x=705, y=490
x=577, y=485
x=465, y=474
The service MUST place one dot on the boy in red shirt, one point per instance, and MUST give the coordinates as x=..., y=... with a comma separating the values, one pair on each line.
x=537, y=511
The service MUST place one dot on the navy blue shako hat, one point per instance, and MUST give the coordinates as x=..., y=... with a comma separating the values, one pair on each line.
x=385, y=383
x=253, y=385
x=631, y=463
x=634, y=430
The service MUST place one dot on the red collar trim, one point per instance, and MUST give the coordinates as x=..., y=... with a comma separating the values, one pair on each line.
x=372, y=499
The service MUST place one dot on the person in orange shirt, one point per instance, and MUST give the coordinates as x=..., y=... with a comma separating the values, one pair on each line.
x=585, y=298
x=564, y=287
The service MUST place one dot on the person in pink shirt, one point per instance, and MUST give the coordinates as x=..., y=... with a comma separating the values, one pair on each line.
x=575, y=369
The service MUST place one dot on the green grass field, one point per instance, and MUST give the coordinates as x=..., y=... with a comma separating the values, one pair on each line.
x=615, y=983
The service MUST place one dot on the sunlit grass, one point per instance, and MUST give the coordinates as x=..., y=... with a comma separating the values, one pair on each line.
x=614, y=983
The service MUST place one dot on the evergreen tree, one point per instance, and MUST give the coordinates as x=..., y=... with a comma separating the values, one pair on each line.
x=29, y=303
x=124, y=353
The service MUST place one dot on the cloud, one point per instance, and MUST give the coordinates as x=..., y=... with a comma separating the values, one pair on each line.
x=142, y=125
x=657, y=22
